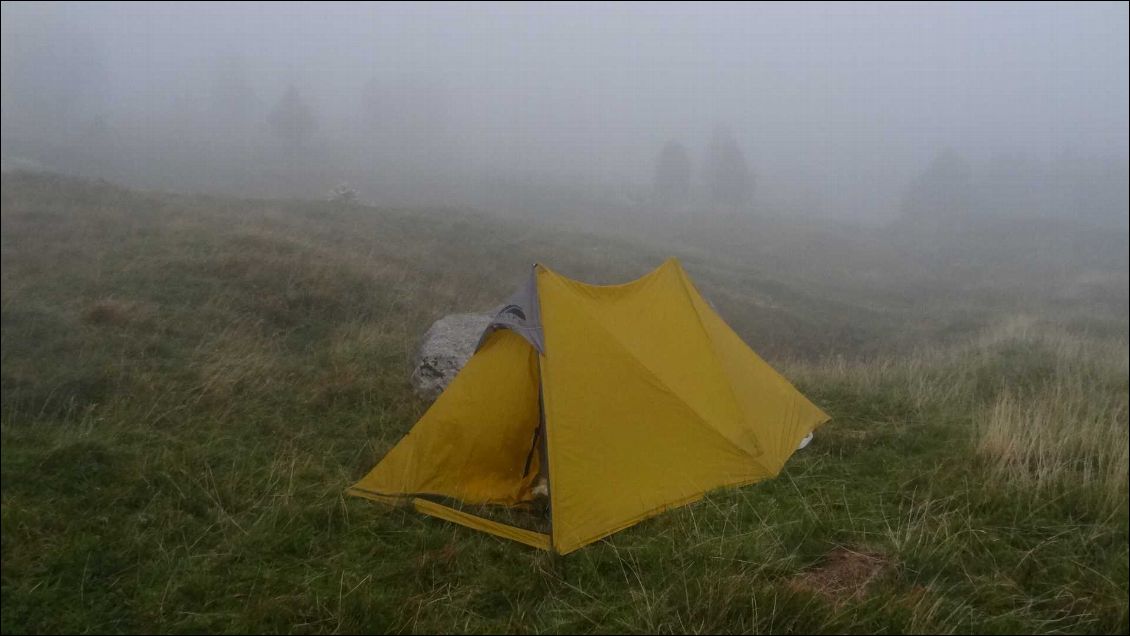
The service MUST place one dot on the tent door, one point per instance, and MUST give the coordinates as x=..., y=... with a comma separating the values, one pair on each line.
x=534, y=448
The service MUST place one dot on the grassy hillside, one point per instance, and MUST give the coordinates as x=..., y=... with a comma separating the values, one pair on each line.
x=189, y=383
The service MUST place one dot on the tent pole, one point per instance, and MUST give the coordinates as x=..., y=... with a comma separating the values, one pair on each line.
x=544, y=464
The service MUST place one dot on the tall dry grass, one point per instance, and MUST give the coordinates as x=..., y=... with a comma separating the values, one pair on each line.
x=1048, y=407
x=1069, y=429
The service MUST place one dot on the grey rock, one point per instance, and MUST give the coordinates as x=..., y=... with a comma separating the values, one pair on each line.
x=446, y=347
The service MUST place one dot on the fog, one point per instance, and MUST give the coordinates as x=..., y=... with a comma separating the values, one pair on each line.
x=866, y=113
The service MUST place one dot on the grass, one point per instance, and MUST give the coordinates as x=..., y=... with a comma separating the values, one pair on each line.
x=189, y=383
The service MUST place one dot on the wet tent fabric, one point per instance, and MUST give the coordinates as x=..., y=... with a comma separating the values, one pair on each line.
x=473, y=443
x=649, y=399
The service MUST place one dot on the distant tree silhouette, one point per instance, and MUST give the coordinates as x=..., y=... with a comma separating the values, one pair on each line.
x=728, y=179
x=672, y=180
x=291, y=120
x=942, y=194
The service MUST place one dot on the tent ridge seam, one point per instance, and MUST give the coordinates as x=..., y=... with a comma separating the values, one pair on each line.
x=651, y=374
x=687, y=286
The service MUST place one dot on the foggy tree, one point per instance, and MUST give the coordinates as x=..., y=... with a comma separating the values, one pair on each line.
x=942, y=194
x=291, y=119
x=728, y=179
x=156, y=93
x=672, y=180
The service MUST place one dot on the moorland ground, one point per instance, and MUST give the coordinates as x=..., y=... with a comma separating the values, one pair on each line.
x=190, y=383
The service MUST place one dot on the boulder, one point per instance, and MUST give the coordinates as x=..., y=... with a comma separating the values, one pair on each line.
x=446, y=347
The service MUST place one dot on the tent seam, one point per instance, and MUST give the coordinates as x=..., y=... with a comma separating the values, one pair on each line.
x=651, y=374
x=714, y=355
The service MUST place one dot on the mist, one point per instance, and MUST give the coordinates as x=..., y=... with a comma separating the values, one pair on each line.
x=801, y=318
x=863, y=113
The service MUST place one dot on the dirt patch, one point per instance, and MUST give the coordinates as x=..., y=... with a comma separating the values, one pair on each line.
x=112, y=312
x=443, y=556
x=843, y=575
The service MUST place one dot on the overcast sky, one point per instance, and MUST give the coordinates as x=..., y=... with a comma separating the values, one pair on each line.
x=841, y=100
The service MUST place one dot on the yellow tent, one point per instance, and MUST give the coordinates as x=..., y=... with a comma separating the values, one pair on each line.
x=627, y=400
